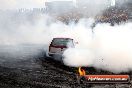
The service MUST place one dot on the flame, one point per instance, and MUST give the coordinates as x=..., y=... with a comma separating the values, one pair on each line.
x=81, y=71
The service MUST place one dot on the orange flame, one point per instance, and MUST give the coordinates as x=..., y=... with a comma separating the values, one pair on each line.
x=81, y=71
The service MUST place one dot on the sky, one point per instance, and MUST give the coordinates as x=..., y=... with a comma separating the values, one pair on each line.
x=15, y=4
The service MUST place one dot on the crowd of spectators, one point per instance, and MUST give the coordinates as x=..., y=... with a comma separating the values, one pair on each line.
x=113, y=16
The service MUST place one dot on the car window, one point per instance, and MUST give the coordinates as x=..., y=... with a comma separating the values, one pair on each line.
x=62, y=42
x=70, y=44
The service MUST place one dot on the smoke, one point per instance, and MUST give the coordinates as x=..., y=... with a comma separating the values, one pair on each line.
x=85, y=8
x=121, y=2
x=17, y=4
x=92, y=8
x=110, y=49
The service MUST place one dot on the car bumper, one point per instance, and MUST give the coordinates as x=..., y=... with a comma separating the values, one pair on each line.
x=56, y=56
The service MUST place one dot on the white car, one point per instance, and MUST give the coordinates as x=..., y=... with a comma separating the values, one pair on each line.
x=58, y=46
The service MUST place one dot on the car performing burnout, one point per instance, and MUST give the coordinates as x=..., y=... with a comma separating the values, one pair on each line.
x=58, y=46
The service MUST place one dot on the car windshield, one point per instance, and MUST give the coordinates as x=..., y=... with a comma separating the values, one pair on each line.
x=62, y=42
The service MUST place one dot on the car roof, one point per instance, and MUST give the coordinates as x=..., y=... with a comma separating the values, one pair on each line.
x=62, y=38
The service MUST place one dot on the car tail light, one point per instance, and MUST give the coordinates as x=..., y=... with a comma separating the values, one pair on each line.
x=49, y=48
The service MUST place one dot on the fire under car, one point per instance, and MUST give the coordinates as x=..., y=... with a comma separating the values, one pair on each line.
x=58, y=46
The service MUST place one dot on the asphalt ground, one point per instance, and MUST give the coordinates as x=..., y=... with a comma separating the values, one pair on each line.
x=26, y=67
